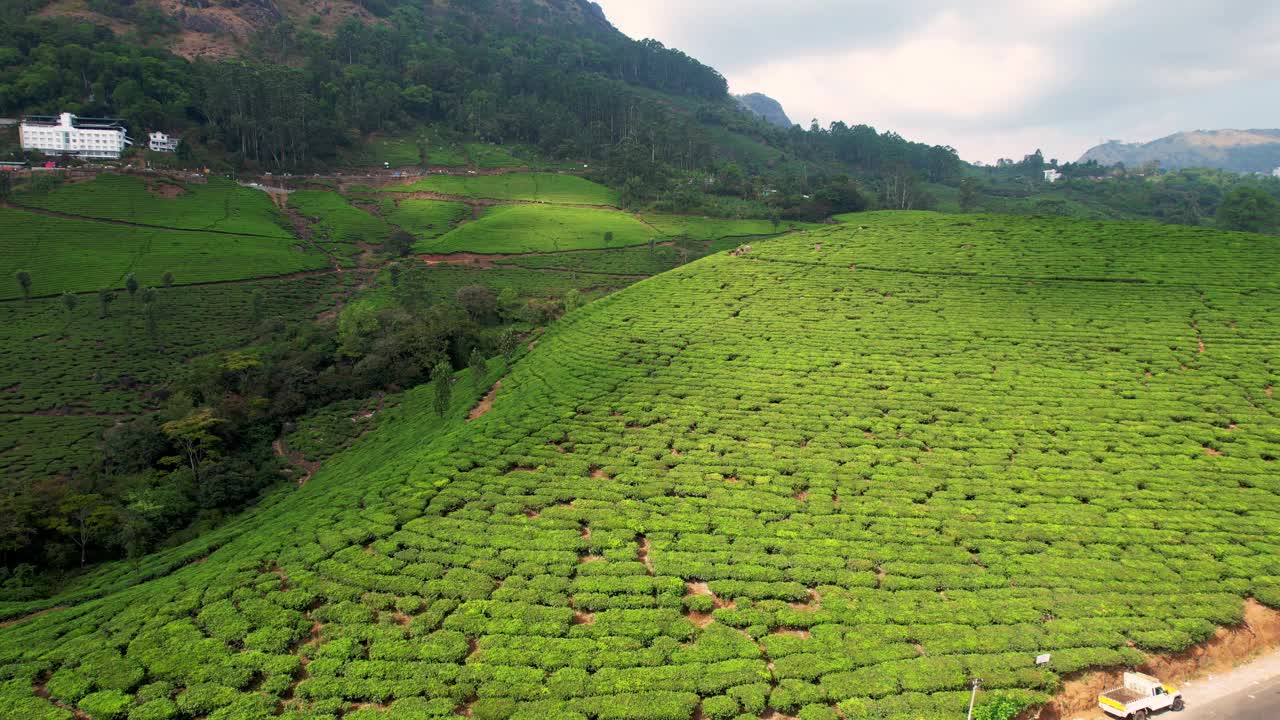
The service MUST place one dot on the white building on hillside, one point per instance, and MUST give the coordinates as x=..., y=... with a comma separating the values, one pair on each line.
x=1052, y=175
x=163, y=143
x=70, y=135
x=1276, y=172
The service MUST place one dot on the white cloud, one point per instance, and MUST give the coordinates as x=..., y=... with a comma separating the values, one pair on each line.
x=945, y=70
x=993, y=78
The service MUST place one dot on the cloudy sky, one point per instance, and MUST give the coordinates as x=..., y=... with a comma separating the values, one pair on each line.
x=992, y=78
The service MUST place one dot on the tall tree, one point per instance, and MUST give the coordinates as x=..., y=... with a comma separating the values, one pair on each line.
x=81, y=518
x=24, y=281
x=476, y=363
x=193, y=436
x=131, y=286
x=69, y=301
x=968, y=195
x=442, y=387
x=105, y=298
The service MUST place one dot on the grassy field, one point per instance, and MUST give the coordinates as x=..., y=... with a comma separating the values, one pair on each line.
x=542, y=228
x=218, y=205
x=850, y=469
x=445, y=280
x=337, y=225
x=705, y=228
x=67, y=374
x=623, y=261
x=424, y=219
x=484, y=155
x=529, y=187
x=84, y=255
x=396, y=152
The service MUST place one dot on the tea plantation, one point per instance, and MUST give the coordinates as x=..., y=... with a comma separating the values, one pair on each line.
x=542, y=228
x=68, y=374
x=69, y=255
x=849, y=469
x=527, y=187
x=216, y=204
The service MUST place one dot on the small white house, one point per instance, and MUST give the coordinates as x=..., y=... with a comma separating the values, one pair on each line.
x=1276, y=172
x=67, y=134
x=1052, y=175
x=163, y=143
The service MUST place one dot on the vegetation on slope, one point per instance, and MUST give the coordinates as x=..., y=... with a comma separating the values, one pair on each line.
x=527, y=187
x=830, y=472
x=79, y=256
x=543, y=228
x=216, y=204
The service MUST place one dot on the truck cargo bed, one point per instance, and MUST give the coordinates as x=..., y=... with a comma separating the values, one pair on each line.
x=1123, y=695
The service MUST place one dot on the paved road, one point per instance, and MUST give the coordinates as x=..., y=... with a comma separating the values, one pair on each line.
x=1255, y=703
x=1258, y=699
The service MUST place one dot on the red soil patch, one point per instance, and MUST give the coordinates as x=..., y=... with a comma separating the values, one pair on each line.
x=797, y=633
x=522, y=469
x=584, y=559
x=165, y=190
x=642, y=553
x=32, y=616
x=802, y=496
x=701, y=588
x=531, y=514
x=584, y=618
x=485, y=404
x=1227, y=648
x=462, y=258
x=702, y=620
x=732, y=480
x=1268, y=390
x=599, y=474
x=1212, y=453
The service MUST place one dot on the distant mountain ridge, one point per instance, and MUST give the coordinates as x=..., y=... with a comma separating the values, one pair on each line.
x=1242, y=151
x=765, y=107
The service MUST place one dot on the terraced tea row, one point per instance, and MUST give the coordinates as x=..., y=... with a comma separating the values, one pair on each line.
x=769, y=480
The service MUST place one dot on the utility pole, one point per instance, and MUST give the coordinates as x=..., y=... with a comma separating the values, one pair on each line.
x=974, y=696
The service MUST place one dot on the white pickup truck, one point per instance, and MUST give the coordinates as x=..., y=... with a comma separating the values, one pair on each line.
x=1140, y=696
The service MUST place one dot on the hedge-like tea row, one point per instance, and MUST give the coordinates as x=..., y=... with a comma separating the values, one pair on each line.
x=777, y=480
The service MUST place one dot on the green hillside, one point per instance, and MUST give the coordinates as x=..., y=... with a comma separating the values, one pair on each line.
x=525, y=187
x=847, y=469
x=67, y=255
x=215, y=205
x=543, y=228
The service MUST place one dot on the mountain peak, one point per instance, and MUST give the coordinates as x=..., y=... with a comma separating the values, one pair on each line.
x=764, y=107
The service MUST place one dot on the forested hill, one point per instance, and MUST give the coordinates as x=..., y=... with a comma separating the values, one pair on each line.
x=276, y=85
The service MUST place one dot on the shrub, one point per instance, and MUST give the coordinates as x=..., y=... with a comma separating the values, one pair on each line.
x=158, y=709
x=69, y=685
x=720, y=707
x=998, y=707
x=204, y=698
x=818, y=712
x=106, y=705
